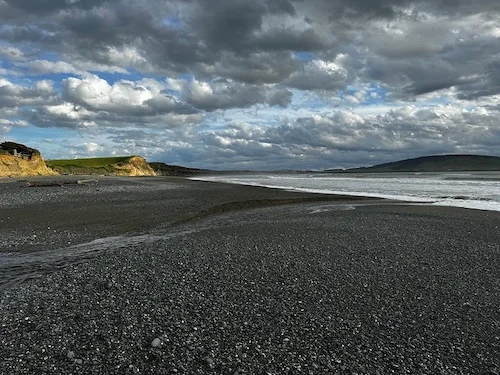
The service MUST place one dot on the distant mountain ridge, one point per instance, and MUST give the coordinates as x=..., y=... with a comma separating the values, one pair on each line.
x=435, y=163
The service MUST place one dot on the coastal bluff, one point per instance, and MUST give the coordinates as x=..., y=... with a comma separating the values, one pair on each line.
x=110, y=166
x=17, y=160
x=135, y=166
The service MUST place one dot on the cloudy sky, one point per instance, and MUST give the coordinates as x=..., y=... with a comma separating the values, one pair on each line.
x=253, y=84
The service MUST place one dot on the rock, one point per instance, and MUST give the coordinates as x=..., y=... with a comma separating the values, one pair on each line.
x=71, y=354
x=156, y=342
x=19, y=160
x=210, y=362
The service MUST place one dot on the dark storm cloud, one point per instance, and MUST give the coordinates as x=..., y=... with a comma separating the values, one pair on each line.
x=229, y=24
x=255, y=68
x=210, y=58
x=288, y=39
x=245, y=40
x=388, y=9
x=224, y=94
x=208, y=33
x=39, y=7
x=465, y=59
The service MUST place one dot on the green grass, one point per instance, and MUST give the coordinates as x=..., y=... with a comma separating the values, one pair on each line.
x=100, y=166
x=87, y=163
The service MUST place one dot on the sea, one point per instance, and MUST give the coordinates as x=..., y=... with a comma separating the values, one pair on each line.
x=474, y=190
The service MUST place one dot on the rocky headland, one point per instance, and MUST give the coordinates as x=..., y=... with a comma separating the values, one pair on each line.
x=19, y=160
x=110, y=166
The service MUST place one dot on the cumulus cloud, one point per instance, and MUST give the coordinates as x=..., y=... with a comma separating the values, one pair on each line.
x=48, y=67
x=345, y=138
x=12, y=53
x=143, y=98
x=320, y=75
x=225, y=94
x=249, y=82
x=15, y=95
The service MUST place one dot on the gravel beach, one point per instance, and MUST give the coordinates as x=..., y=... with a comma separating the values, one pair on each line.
x=172, y=276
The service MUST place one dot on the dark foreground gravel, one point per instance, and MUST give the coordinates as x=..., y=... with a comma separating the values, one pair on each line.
x=44, y=218
x=315, y=288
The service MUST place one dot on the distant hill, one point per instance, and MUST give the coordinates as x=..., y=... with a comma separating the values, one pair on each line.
x=116, y=166
x=162, y=169
x=438, y=163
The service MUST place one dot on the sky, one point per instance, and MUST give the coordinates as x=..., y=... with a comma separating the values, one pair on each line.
x=251, y=84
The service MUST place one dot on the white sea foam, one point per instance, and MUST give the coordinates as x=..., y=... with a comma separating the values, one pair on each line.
x=469, y=190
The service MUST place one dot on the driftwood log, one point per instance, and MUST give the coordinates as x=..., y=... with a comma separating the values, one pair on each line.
x=59, y=183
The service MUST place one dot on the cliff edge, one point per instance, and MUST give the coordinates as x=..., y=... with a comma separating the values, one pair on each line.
x=113, y=166
x=134, y=166
x=17, y=160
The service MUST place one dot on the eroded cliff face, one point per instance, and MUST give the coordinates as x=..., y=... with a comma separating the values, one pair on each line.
x=14, y=166
x=135, y=166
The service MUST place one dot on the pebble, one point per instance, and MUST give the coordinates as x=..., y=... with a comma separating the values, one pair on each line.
x=156, y=342
x=213, y=278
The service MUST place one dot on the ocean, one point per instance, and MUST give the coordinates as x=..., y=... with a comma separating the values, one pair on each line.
x=475, y=190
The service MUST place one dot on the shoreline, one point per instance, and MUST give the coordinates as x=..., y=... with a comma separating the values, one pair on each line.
x=460, y=201
x=112, y=206
x=338, y=286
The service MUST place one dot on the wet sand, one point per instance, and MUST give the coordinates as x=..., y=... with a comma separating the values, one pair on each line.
x=321, y=287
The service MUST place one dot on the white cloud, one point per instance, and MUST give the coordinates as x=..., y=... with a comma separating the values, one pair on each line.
x=142, y=98
x=321, y=75
x=48, y=67
x=126, y=56
x=11, y=53
x=225, y=94
x=248, y=83
x=13, y=123
x=14, y=95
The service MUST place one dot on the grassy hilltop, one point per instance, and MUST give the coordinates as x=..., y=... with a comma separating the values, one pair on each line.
x=118, y=165
x=437, y=163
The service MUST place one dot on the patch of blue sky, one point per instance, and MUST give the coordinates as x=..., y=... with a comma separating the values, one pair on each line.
x=214, y=123
x=256, y=115
x=113, y=77
x=185, y=76
x=56, y=78
x=33, y=134
x=310, y=100
x=304, y=56
x=173, y=21
x=434, y=101
x=29, y=81
x=21, y=80
x=6, y=64
x=135, y=75
x=49, y=56
x=376, y=95
x=373, y=95
x=303, y=105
